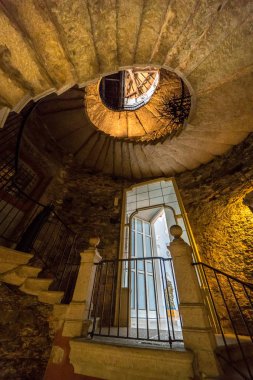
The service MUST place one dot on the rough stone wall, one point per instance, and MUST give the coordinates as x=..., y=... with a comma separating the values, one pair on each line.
x=25, y=341
x=212, y=194
x=222, y=225
x=85, y=201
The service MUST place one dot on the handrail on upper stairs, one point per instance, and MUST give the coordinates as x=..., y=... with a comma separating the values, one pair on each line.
x=30, y=226
x=232, y=301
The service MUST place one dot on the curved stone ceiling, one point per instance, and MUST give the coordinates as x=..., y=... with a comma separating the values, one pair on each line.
x=49, y=45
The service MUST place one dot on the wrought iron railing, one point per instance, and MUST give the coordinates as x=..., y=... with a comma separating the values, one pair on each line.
x=232, y=301
x=28, y=225
x=136, y=299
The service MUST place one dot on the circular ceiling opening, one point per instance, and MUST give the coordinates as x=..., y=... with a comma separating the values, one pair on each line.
x=156, y=104
x=130, y=89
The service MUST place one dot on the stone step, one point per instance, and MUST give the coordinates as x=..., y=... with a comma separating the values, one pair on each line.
x=35, y=285
x=129, y=362
x=12, y=277
x=28, y=271
x=51, y=297
x=10, y=259
x=18, y=275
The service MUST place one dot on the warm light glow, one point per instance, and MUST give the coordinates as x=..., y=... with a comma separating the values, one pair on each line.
x=248, y=200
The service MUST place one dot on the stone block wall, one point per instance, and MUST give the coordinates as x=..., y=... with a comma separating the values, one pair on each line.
x=222, y=225
x=86, y=202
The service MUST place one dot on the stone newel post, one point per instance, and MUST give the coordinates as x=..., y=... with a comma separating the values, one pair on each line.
x=76, y=321
x=197, y=333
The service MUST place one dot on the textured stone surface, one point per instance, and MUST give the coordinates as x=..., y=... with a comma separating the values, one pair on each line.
x=86, y=203
x=222, y=225
x=25, y=339
x=50, y=53
x=72, y=21
x=144, y=124
x=212, y=194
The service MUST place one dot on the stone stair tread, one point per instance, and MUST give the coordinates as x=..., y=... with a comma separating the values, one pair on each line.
x=35, y=285
x=8, y=255
x=28, y=271
x=7, y=267
x=12, y=278
x=50, y=296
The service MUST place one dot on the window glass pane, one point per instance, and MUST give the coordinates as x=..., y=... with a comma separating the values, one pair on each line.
x=131, y=207
x=132, y=290
x=141, y=204
x=142, y=189
x=149, y=267
x=170, y=198
x=148, y=246
x=139, y=252
x=142, y=197
x=147, y=228
x=141, y=292
x=155, y=193
x=156, y=201
x=140, y=265
x=151, y=293
x=139, y=225
x=167, y=184
x=168, y=190
x=154, y=186
x=131, y=192
x=131, y=199
x=133, y=244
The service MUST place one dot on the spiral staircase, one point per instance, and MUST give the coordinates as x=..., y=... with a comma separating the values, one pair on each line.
x=48, y=47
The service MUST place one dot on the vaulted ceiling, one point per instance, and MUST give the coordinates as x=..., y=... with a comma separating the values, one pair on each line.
x=49, y=46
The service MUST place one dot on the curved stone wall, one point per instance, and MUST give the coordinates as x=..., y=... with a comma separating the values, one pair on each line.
x=145, y=124
x=212, y=194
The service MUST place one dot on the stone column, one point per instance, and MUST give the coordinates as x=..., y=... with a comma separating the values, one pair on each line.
x=76, y=320
x=197, y=333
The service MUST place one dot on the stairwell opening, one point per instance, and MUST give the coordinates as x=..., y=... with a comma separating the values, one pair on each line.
x=129, y=89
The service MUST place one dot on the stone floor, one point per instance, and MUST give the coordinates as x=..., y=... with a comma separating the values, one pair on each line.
x=148, y=333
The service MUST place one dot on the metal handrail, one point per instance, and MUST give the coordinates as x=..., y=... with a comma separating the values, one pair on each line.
x=248, y=284
x=40, y=204
x=233, y=297
x=113, y=295
x=135, y=259
x=48, y=236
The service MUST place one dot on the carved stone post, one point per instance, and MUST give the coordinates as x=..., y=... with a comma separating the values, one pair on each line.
x=197, y=333
x=76, y=321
